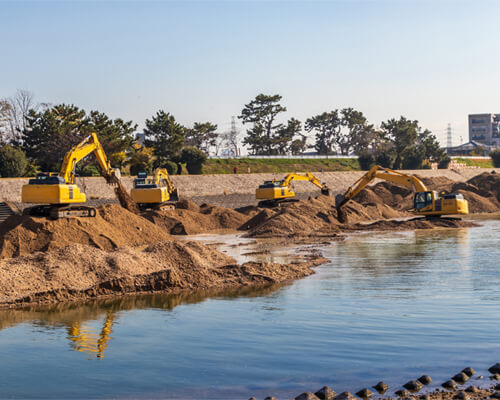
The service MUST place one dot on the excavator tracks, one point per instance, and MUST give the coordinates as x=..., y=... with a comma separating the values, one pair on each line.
x=60, y=211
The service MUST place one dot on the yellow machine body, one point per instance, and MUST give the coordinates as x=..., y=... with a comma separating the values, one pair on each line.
x=431, y=204
x=150, y=196
x=269, y=191
x=52, y=194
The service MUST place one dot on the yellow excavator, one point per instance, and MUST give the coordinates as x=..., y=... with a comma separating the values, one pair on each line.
x=154, y=193
x=272, y=193
x=58, y=196
x=426, y=202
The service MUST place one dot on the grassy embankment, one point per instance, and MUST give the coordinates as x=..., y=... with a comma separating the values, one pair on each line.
x=225, y=166
x=471, y=162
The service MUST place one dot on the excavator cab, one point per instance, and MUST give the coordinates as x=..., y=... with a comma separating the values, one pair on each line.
x=424, y=199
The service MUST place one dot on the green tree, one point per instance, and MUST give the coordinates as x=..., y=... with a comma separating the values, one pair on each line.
x=13, y=161
x=140, y=159
x=202, y=135
x=165, y=136
x=327, y=127
x=51, y=133
x=263, y=137
x=410, y=144
x=194, y=159
x=357, y=134
x=283, y=139
x=495, y=157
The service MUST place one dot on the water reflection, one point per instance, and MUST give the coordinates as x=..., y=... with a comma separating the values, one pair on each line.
x=93, y=339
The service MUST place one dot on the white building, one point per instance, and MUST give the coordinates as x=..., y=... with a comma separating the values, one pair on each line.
x=485, y=129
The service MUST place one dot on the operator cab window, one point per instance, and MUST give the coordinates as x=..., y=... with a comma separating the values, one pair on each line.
x=423, y=200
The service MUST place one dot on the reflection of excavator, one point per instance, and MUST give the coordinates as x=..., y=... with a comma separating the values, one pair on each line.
x=426, y=202
x=156, y=193
x=274, y=192
x=85, y=341
x=58, y=193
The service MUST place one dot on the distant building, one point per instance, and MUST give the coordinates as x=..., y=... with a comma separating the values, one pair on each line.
x=139, y=138
x=472, y=147
x=485, y=129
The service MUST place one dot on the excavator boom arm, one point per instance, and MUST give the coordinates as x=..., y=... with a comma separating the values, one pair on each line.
x=386, y=174
x=307, y=177
x=80, y=151
x=162, y=174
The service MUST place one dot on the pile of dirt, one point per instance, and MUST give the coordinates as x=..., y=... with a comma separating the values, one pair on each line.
x=188, y=219
x=112, y=227
x=81, y=272
x=317, y=217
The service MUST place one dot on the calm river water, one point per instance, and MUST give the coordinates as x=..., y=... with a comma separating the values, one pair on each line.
x=388, y=306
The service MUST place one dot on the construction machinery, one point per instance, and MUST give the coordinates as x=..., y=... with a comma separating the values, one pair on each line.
x=58, y=196
x=154, y=193
x=426, y=202
x=275, y=192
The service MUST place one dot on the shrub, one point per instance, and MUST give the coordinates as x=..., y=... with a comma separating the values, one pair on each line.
x=495, y=157
x=90, y=170
x=13, y=161
x=444, y=162
x=194, y=159
x=140, y=167
x=366, y=160
x=385, y=159
x=171, y=167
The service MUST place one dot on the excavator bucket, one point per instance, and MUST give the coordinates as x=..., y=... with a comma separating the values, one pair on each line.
x=174, y=196
x=339, y=201
x=325, y=191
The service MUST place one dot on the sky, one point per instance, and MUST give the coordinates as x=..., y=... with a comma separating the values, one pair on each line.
x=432, y=61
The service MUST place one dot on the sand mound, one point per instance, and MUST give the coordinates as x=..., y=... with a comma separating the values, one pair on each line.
x=193, y=219
x=112, y=227
x=315, y=217
x=81, y=272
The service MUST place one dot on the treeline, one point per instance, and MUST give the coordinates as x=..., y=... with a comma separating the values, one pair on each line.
x=398, y=143
x=35, y=137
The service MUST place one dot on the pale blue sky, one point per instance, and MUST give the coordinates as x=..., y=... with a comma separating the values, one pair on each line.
x=434, y=61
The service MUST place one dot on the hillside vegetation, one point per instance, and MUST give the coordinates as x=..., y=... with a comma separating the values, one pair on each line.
x=226, y=166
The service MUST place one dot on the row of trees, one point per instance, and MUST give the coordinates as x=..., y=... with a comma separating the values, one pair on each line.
x=36, y=137
x=397, y=144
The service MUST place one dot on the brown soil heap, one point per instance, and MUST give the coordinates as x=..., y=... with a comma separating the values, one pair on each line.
x=81, y=272
x=112, y=227
x=188, y=218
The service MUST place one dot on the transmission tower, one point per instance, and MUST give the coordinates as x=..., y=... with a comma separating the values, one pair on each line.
x=449, y=137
